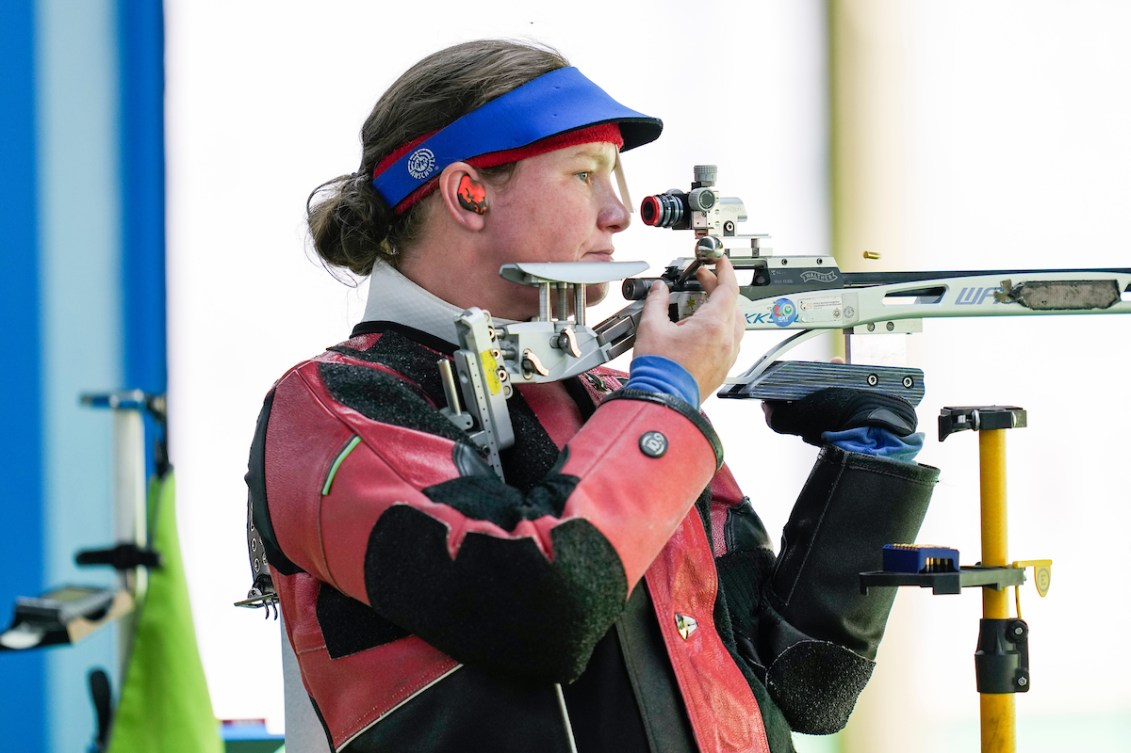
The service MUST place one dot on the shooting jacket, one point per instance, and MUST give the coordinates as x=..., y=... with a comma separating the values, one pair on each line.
x=617, y=589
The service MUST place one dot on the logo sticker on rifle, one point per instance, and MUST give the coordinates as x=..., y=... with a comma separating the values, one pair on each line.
x=784, y=312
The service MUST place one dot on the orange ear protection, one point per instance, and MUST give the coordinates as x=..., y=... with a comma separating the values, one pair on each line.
x=471, y=195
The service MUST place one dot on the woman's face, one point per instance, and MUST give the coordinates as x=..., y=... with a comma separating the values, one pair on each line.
x=561, y=206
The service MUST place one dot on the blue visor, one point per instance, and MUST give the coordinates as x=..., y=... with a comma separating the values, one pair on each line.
x=556, y=102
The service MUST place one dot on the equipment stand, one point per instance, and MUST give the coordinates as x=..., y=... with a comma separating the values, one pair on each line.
x=1001, y=662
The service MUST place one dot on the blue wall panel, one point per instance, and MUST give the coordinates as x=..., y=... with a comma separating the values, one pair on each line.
x=142, y=137
x=141, y=112
x=23, y=690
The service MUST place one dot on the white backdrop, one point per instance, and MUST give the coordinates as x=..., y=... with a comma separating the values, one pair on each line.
x=1003, y=144
x=1016, y=154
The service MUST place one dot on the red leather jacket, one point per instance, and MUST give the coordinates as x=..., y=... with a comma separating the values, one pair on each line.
x=433, y=607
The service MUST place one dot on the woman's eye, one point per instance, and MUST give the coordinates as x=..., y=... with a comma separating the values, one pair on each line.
x=583, y=176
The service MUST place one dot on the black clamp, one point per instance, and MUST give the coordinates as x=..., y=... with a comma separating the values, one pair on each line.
x=979, y=418
x=1001, y=663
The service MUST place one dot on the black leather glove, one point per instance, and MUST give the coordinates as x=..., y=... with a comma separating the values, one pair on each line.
x=837, y=409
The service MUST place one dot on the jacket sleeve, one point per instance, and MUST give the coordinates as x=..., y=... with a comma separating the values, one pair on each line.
x=369, y=489
x=800, y=619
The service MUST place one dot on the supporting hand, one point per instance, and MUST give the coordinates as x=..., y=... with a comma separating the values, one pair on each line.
x=839, y=408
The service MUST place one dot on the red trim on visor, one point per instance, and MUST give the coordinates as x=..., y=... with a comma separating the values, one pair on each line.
x=605, y=132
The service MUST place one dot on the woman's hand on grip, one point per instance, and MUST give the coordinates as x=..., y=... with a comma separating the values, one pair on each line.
x=706, y=343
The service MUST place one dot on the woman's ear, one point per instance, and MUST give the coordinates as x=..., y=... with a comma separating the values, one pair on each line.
x=464, y=195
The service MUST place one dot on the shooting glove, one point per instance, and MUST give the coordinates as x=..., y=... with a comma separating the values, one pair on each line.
x=837, y=409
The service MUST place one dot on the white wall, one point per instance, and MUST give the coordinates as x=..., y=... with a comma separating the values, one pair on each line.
x=265, y=100
x=1008, y=147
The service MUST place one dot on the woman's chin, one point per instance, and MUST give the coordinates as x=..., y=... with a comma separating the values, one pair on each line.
x=594, y=294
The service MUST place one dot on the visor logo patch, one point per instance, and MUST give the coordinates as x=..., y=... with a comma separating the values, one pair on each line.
x=421, y=163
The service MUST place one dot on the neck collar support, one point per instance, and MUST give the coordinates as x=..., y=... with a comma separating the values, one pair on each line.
x=555, y=103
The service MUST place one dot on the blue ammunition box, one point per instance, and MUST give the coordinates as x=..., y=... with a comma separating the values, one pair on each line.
x=915, y=558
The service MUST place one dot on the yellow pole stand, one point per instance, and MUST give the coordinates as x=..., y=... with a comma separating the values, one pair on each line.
x=997, y=710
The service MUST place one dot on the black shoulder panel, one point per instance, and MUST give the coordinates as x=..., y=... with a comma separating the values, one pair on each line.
x=399, y=352
x=383, y=397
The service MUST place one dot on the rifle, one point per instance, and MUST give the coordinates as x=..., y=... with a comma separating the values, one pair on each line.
x=801, y=295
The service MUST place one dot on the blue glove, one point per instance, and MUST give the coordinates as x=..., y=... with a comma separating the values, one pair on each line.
x=877, y=441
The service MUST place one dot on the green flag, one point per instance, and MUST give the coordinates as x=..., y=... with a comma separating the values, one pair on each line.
x=164, y=703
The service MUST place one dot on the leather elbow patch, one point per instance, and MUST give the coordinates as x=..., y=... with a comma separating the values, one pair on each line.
x=500, y=603
x=816, y=684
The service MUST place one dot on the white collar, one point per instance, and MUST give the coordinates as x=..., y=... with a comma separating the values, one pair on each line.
x=395, y=298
